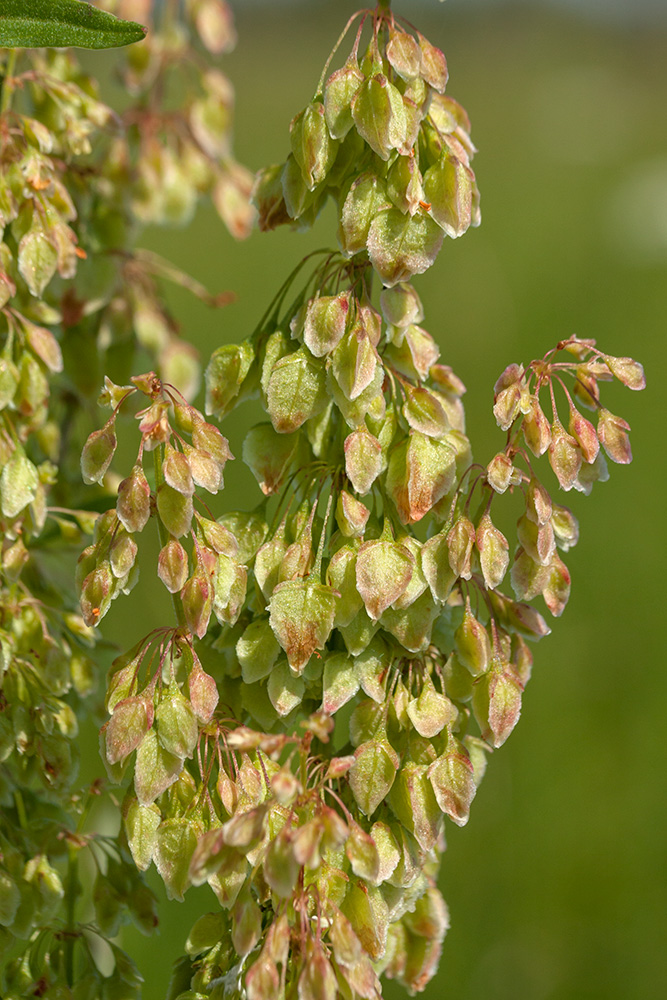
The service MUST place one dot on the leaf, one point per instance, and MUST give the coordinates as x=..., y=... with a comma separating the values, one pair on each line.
x=63, y=23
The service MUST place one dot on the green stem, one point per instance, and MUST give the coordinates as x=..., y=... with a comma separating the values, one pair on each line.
x=8, y=83
x=71, y=893
x=20, y=809
x=164, y=534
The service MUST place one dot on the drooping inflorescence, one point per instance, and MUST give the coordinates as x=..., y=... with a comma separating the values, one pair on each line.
x=365, y=628
x=345, y=653
x=77, y=298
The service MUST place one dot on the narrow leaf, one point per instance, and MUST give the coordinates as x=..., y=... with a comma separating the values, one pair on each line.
x=62, y=23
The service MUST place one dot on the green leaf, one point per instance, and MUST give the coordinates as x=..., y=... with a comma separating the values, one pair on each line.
x=62, y=23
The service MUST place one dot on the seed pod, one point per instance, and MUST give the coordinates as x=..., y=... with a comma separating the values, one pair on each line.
x=379, y=115
x=500, y=472
x=339, y=92
x=493, y=550
x=460, y=541
x=312, y=145
x=583, y=432
x=536, y=428
x=383, y=571
x=612, y=432
x=363, y=460
x=174, y=509
x=448, y=188
x=351, y=515
x=565, y=455
x=452, y=780
x=366, y=197
x=176, y=471
x=301, y=616
x=401, y=306
x=133, y=504
x=400, y=246
x=197, y=600
x=421, y=471
x=97, y=454
x=296, y=391
x=325, y=321
x=497, y=702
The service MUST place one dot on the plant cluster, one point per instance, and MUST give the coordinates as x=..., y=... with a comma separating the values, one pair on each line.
x=77, y=182
x=344, y=655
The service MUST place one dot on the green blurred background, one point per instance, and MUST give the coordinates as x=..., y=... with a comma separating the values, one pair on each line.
x=557, y=886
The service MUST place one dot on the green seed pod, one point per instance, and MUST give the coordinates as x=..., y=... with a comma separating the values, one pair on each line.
x=269, y=456
x=472, y=643
x=351, y=515
x=613, y=435
x=133, y=504
x=452, y=780
x=400, y=246
x=565, y=456
x=296, y=391
x=372, y=775
x=224, y=376
x=493, y=550
x=383, y=571
x=174, y=509
x=312, y=145
x=325, y=322
x=421, y=471
x=97, y=453
x=363, y=460
x=301, y=616
x=496, y=702
x=339, y=92
x=366, y=198
x=379, y=115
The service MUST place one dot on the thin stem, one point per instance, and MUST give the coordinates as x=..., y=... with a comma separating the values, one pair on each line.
x=71, y=893
x=164, y=534
x=8, y=82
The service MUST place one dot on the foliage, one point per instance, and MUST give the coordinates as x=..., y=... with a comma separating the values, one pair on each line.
x=343, y=657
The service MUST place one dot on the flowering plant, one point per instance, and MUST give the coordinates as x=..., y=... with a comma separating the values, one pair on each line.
x=344, y=655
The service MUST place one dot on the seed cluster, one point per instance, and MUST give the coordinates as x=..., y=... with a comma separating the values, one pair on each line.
x=78, y=298
x=360, y=657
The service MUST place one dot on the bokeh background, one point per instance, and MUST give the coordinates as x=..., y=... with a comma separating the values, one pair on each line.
x=557, y=887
